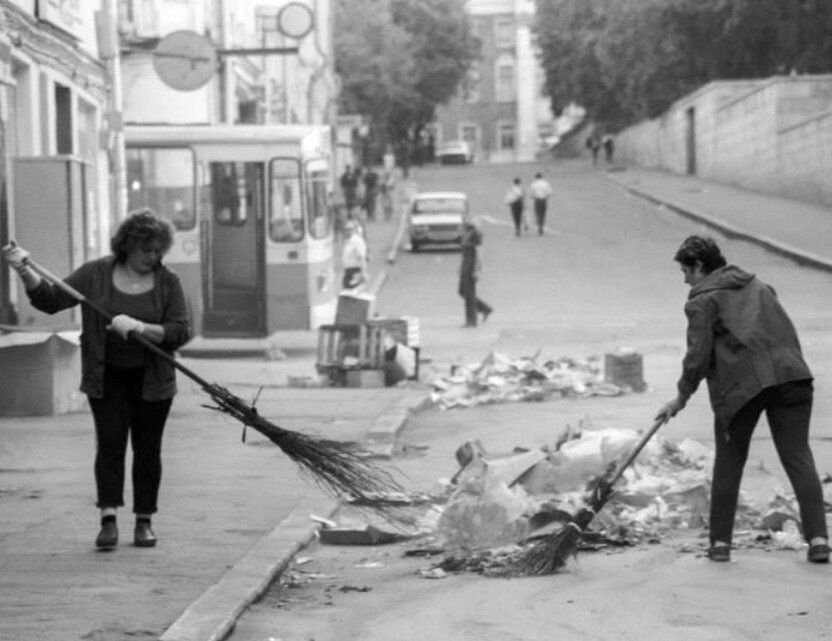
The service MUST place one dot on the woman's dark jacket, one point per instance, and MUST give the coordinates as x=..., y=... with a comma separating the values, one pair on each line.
x=95, y=281
x=740, y=339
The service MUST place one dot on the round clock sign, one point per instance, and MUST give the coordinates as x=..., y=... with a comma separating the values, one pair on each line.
x=185, y=60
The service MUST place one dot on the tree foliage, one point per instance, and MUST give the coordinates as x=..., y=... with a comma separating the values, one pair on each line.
x=399, y=59
x=625, y=60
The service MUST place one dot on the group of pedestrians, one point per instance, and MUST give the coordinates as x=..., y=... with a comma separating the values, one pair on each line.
x=364, y=189
x=539, y=191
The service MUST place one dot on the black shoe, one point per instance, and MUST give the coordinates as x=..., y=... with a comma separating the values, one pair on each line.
x=818, y=553
x=143, y=536
x=107, y=538
x=719, y=553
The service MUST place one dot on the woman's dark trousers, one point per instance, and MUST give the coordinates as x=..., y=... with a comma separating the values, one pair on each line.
x=517, y=216
x=788, y=408
x=121, y=411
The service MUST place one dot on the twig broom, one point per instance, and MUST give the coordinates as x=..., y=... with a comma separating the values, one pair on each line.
x=335, y=467
x=549, y=554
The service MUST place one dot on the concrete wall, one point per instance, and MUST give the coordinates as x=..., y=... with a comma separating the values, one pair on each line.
x=772, y=135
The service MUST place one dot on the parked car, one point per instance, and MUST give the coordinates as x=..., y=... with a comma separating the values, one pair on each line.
x=456, y=152
x=435, y=218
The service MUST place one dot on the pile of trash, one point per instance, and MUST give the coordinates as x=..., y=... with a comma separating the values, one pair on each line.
x=499, y=379
x=482, y=517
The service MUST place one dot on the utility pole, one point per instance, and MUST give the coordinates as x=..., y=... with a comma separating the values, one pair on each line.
x=108, y=46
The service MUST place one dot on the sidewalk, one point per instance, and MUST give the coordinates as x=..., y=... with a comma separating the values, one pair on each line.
x=800, y=231
x=231, y=514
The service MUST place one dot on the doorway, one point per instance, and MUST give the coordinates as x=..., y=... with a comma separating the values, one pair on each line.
x=233, y=265
x=690, y=140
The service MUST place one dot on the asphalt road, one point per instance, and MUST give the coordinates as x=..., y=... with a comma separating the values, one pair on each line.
x=600, y=279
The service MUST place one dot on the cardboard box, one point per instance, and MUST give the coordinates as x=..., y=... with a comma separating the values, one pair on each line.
x=354, y=308
x=41, y=372
x=365, y=378
x=625, y=369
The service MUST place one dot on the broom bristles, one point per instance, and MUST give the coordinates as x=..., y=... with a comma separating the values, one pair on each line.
x=336, y=467
x=549, y=554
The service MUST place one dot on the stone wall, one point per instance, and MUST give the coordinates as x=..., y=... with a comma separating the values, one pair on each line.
x=772, y=135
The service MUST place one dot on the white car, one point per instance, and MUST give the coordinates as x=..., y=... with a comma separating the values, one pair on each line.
x=435, y=218
x=457, y=151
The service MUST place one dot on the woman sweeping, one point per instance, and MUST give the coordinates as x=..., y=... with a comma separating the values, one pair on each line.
x=130, y=389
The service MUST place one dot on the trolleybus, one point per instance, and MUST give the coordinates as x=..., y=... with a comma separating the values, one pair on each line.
x=254, y=232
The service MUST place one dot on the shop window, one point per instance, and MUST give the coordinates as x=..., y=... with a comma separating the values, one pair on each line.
x=63, y=119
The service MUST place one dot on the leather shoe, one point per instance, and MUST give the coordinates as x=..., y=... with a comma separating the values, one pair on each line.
x=818, y=553
x=143, y=536
x=107, y=538
x=719, y=553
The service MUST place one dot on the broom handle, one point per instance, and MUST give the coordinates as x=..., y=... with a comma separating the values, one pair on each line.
x=45, y=273
x=632, y=457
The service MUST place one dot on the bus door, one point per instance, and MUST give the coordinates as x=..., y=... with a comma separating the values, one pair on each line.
x=233, y=244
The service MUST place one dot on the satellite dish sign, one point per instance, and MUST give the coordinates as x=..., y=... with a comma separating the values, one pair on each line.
x=185, y=60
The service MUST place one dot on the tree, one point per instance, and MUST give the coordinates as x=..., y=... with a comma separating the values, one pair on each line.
x=625, y=60
x=398, y=60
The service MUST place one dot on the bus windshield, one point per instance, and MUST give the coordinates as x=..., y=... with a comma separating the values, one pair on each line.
x=162, y=179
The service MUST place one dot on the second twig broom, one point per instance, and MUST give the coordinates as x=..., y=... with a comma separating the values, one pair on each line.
x=549, y=554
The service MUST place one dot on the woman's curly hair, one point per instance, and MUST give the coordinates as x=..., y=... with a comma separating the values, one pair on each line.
x=141, y=228
x=702, y=249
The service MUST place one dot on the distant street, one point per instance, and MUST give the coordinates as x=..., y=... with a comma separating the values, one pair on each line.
x=602, y=278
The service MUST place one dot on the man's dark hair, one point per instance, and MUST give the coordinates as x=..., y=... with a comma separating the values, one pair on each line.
x=141, y=228
x=702, y=249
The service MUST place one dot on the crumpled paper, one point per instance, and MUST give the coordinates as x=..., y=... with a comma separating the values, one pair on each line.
x=499, y=379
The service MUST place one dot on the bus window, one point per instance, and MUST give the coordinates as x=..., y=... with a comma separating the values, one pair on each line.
x=162, y=179
x=285, y=208
x=229, y=193
x=317, y=204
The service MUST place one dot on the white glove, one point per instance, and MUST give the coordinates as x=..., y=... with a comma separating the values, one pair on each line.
x=16, y=256
x=124, y=324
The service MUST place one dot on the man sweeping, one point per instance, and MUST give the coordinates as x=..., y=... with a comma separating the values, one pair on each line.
x=741, y=340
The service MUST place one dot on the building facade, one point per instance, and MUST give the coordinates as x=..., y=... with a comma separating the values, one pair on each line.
x=501, y=112
x=54, y=167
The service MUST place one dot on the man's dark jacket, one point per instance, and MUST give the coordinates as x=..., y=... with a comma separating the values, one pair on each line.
x=740, y=339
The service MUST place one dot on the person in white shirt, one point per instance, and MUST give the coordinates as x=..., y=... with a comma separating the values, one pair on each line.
x=354, y=257
x=540, y=190
x=514, y=200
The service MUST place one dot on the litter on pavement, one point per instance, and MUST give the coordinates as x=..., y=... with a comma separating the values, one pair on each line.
x=481, y=517
x=498, y=379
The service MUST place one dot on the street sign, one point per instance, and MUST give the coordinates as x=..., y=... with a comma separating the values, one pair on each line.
x=185, y=60
x=295, y=20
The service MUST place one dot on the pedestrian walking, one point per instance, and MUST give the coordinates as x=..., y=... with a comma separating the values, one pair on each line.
x=540, y=190
x=386, y=187
x=370, y=192
x=469, y=272
x=741, y=341
x=130, y=389
x=354, y=257
x=514, y=199
x=349, y=187
x=608, y=144
x=594, y=146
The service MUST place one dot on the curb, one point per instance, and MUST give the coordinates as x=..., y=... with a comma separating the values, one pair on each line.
x=802, y=258
x=213, y=615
